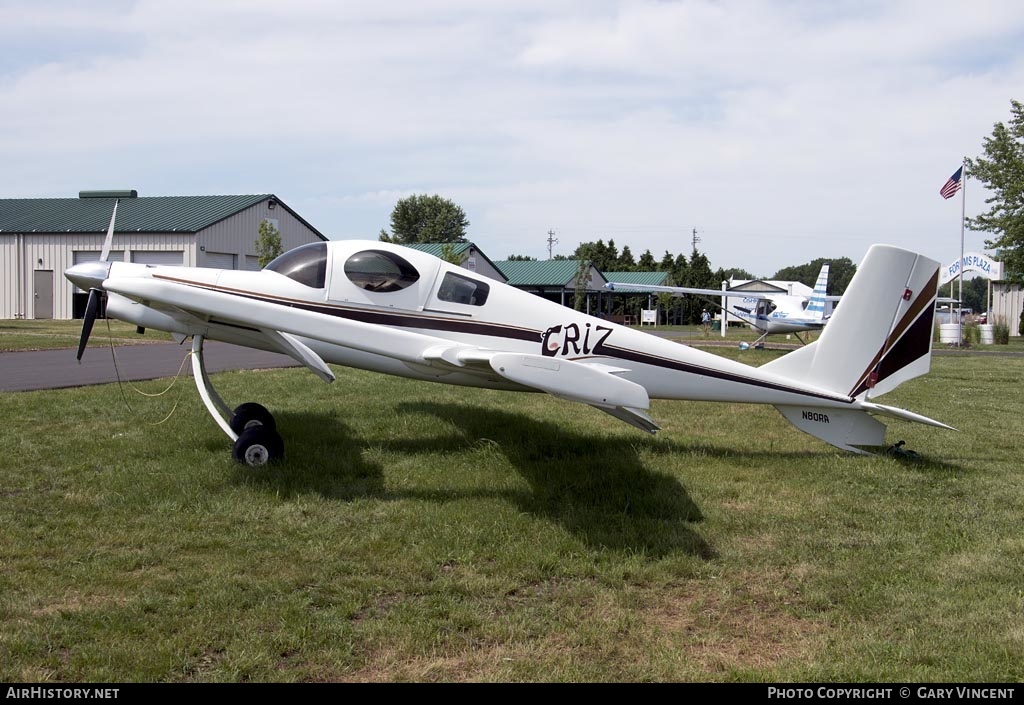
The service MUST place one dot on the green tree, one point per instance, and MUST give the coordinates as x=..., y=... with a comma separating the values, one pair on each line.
x=521, y=258
x=701, y=277
x=268, y=243
x=582, y=279
x=448, y=254
x=666, y=305
x=612, y=252
x=722, y=275
x=975, y=293
x=599, y=254
x=646, y=263
x=680, y=270
x=625, y=262
x=426, y=219
x=1001, y=170
x=840, y=272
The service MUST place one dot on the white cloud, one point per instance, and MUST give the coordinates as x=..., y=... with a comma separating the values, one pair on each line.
x=784, y=131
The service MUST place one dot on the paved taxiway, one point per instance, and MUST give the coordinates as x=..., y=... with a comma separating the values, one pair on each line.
x=54, y=369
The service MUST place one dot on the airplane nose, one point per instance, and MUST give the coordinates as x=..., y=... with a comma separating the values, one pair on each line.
x=88, y=275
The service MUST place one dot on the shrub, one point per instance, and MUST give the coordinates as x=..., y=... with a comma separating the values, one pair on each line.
x=972, y=334
x=1001, y=331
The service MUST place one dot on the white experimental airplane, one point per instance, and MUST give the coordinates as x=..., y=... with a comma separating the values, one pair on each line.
x=769, y=313
x=390, y=309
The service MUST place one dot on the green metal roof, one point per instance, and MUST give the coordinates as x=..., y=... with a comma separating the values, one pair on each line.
x=550, y=272
x=151, y=214
x=648, y=278
x=434, y=248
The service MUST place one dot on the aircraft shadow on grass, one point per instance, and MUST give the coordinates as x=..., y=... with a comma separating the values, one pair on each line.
x=597, y=488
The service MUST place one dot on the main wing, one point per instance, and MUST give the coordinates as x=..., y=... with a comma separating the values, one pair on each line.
x=194, y=308
x=680, y=290
x=717, y=293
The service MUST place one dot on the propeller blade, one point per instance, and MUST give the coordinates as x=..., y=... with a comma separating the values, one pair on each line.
x=91, y=309
x=110, y=234
x=92, y=306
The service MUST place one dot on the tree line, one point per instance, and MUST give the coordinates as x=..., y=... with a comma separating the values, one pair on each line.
x=434, y=219
x=423, y=218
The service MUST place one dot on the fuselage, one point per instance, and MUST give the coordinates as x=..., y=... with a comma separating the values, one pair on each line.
x=776, y=314
x=324, y=294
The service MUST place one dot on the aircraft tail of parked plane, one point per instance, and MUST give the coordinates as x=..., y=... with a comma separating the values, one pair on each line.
x=816, y=304
x=390, y=309
x=788, y=313
x=879, y=338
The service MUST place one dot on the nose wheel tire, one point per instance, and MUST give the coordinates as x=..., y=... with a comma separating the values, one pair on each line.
x=250, y=426
x=251, y=414
x=257, y=446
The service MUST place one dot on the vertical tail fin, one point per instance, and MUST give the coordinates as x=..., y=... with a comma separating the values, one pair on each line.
x=816, y=304
x=880, y=335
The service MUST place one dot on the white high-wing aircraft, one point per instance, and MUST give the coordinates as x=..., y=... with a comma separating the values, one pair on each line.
x=390, y=309
x=768, y=313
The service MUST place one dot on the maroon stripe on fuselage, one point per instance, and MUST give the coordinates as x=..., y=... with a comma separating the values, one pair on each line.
x=497, y=330
x=401, y=320
x=690, y=368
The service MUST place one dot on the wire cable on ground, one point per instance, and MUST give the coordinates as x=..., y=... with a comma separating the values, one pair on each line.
x=121, y=383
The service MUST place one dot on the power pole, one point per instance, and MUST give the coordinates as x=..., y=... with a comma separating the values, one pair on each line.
x=552, y=241
x=696, y=239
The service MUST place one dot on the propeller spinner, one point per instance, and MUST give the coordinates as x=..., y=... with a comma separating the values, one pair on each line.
x=90, y=275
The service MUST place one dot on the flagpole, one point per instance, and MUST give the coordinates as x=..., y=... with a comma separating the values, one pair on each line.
x=963, y=216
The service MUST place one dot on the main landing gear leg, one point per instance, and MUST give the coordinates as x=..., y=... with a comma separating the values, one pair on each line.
x=251, y=426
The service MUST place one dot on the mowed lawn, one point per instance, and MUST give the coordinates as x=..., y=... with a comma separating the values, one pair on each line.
x=51, y=334
x=430, y=533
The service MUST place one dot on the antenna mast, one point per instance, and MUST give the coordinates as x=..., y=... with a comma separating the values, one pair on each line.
x=552, y=241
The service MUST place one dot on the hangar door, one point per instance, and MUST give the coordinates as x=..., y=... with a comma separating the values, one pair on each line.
x=43, y=282
x=80, y=298
x=79, y=256
x=164, y=257
x=219, y=260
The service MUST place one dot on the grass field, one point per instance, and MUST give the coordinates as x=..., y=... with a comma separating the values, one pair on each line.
x=429, y=533
x=52, y=334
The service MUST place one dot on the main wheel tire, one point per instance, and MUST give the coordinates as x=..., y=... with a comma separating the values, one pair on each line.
x=249, y=415
x=257, y=446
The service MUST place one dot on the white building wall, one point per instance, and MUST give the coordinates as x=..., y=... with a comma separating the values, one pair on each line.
x=55, y=252
x=1007, y=304
x=595, y=281
x=11, y=305
x=22, y=254
x=475, y=262
x=238, y=233
x=177, y=242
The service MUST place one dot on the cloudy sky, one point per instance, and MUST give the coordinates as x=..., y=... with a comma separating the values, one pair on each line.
x=782, y=130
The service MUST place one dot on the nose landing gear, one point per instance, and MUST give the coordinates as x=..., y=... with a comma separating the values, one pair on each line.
x=251, y=426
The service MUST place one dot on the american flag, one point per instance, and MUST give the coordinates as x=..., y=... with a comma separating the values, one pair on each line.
x=953, y=185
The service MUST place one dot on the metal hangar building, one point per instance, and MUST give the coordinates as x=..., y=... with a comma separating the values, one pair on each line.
x=41, y=237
